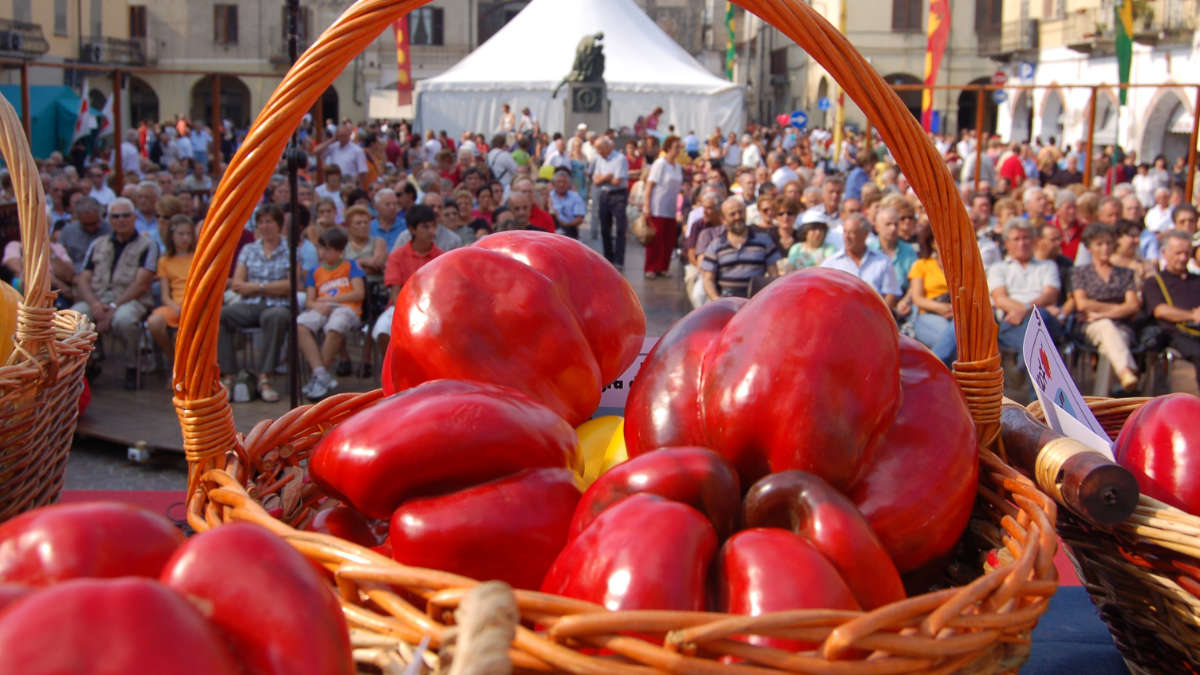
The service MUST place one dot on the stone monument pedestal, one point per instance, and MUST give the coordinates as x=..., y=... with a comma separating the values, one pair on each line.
x=587, y=103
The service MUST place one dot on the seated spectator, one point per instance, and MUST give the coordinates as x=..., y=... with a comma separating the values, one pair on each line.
x=113, y=285
x=538, y=217
x=403, y=262
x=445, y=238
x=872, y=267
x=454, y=222
x=261, y=279
x=930, y=294
x=1126, y=253
x=900, y=252
x=327, y=215
x=479, y=228
x=369, y=252
x=738, y=256
x=781, y=228
x=172, y=270
x=1173, y=297
x=708, y=219
x=333, y=303
x=1106, y=299
x=331, y=189
x=1158, y=218
x=62, y=270
x=389, y=220
x=486, y=204
x=88, y=226
x=197, y=179
x=567, y=205
x=811, y=249
x=1020, y=284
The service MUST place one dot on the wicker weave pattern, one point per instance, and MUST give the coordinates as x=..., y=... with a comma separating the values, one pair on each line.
x=978, y=624
x=41, y=383
x=1144, y=574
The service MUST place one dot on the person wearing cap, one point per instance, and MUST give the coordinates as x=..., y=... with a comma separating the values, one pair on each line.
x=811, y=249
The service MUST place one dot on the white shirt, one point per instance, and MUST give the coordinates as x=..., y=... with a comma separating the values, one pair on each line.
x=782, y=176
x=180, y=148
x=667, y=178
x=432, y=147
x=751, y=156
x=502, y=166
x=616, y=165
x=350, y=158
x=1158, y=219
x=323, y=192
x=526, y=124
x=1023, y=283
x=130, y=159
x=104, y=195
x=876, y=269
x=589, y=151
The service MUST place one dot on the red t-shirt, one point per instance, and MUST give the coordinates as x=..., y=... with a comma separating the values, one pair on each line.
x=404, y=261
x=1013, y=170
x=541, y=219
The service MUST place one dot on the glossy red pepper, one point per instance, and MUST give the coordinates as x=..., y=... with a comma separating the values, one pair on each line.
x=806, y=505
x=607, y=306
x=10, y=593
x=346, y=523
x=694, y=476
x=644, y=552
x=764, y=570
x=1160, y=444
x=663, y=406
x=436, y=438
x=85, y=539
x=481, y=314
x=110, y=627
x=279, y=616
x=509, y=529
x=805, y=376
x=919, y=489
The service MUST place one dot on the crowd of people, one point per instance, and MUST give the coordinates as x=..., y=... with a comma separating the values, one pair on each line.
x=1109, y=261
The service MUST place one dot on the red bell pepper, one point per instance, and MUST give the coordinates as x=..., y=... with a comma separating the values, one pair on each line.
x=85, y=539
x=806, y=505
x=919, y=489
x=10, y=593
x=607, y=306
x=1160, y=445
x=697, y=477
x=495, y=316
x=346, y=523
x=272, y=606
x=111, y=627
x=766, y=570
x=642, y=553
x=805, y=377
x=438, y=437
x=662, y=409
x=510, y=529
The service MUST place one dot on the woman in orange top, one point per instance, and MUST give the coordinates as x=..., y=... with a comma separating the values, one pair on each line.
x=931, y=294
x=172, y=269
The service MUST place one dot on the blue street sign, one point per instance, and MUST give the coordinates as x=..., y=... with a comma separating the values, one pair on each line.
x=999, y=96
x=799, y=119
x=1025, y=70
x=824, y=103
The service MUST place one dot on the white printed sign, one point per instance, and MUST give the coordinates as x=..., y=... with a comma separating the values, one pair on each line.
x=1066, y=411
x=615, y=393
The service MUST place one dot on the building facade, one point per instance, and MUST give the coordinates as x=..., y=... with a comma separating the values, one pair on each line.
x=1071, y=45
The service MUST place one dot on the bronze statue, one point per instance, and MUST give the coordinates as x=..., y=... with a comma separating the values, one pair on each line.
x=589, y=62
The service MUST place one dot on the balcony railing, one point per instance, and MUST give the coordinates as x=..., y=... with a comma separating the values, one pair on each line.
x=1084, y=30
x=113, y=50
x=21, y=39
x=1167, y=21
x=1009, y=38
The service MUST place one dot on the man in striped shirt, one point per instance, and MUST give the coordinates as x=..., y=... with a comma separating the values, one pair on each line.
x=737, y=256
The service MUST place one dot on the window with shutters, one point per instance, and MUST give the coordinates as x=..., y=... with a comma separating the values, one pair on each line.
x=906, y=15
x=303, y=26
x=425, y=26
x=22, y=11
x=137, y=21
x=989, y=15
x=60, y=17
x=225, y=24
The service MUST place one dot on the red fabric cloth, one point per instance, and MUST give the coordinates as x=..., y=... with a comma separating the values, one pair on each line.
x=660, y=248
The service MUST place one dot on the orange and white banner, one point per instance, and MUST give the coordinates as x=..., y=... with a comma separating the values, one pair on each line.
x=404, y=83
x=938, y=34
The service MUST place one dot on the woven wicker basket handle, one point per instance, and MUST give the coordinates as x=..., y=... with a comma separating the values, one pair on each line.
x=198, y=400
x=35, y=318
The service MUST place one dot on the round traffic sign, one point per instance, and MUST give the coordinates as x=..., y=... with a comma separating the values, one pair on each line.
x=999, y=77
x=999, y=96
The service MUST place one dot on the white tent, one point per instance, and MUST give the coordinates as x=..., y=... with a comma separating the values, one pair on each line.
x=522, y=64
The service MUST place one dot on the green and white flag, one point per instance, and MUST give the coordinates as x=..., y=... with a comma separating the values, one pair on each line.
x=1123, y=33
x=731, y=47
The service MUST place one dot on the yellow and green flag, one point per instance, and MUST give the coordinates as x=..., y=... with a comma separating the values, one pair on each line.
x=731, y=47
x=1123, y=33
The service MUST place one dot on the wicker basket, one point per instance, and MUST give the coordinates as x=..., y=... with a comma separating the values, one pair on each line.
x=1144, y=573
x=980, y=622
x=43, y=378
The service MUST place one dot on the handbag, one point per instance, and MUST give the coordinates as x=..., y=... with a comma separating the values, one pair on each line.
x=643, y=231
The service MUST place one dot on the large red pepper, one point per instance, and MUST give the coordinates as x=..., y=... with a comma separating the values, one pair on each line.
x=919, y=489
x=607, y=306
x=509, y=529
x=766, y=570
x=642, y=553
x=278, y=614
x=663, y=406
x=85, y=539
x=111, y=627
x=1160, y=444
x=496, y=316
x=803, y=503
x=346, y=523
x=698, y=477
x=805, y=376
x=10, y=593
x=438, y=437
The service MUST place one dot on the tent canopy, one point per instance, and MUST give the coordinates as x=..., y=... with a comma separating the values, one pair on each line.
x=523, y=63
x=53, y=110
